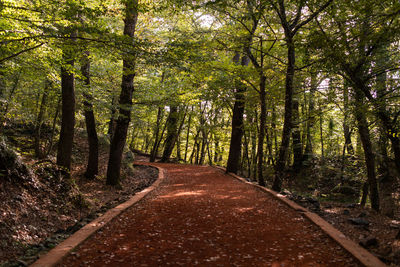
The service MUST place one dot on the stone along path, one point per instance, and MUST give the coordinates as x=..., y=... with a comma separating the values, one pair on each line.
x=201, y=216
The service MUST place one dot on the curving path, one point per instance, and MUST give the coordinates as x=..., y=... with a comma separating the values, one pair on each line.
x=201, y=216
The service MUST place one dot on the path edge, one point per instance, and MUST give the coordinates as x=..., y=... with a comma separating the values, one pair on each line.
x=361, y=254
x=55, y=255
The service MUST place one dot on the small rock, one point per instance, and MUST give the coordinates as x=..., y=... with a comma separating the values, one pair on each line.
x=362, y=215
x=368, y=242
x=285, y=192
x=359, y=221
x=346, y=212
x=312, y=200
x=22, y=263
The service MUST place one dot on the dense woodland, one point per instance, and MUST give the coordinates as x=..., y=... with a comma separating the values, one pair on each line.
x=286, y=93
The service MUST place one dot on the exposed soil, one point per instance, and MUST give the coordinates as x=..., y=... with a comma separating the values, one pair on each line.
x=37, y=215
x=200, y=216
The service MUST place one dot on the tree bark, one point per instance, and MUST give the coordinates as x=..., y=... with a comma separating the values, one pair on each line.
x=188, y=134
x=287, y=125
x=39, y=121
x=296, y=138
x=2, y=80
x=53, y=128
x=93, y=160
x=65, y=142
x=367, y=146
x=308, y=151
x=111, y=123
x=235, y=146
x=125, y=100
x=386, y=173
x=153, y=153
x=347, y=133
x=261, y=133
x=172, y=131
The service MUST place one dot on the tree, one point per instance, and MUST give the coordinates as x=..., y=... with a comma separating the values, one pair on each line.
x=65, y=142
x=352, y=43
x=172, y=132
x=125, y=99
x=291, y=26
x=93, y=160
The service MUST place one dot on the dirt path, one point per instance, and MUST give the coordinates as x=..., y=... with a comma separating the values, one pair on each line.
x=200, y=216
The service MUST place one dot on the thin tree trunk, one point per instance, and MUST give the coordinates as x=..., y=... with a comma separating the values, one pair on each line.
x=39, y=121
x=273, y=126
x=261, y=133
x=346, y=129
x=321, y=133
x=93, y=160
x=153, y=153
x=296, y=138
x=365, y=191
x=53, y=129
x=308, y=151
x=2, y=80
x=111, y=123
x=188, y=134
x=178, y=136
x=172, y=131
x=125, y=101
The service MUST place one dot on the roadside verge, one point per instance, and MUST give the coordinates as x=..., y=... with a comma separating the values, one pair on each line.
x=55, y=255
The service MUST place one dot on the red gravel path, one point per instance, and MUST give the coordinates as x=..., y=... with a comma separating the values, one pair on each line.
x=200, y=216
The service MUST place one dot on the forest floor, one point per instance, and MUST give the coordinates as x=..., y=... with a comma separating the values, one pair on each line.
x=201, y=216
x=40, y=211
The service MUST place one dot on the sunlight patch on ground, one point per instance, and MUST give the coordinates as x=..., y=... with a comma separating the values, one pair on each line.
x=244, y=209
x=185, y=193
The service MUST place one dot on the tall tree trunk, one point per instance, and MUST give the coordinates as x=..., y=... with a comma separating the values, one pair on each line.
x=153, y=153
x=235, y=146
x=383, y=115
x=125, y=100
x=39, y=120
x=287, y=124
x=387, y=175
x=367, y=146
x=93, y=160
x=308, y=151
x=321, y=133
x=53, y=129
x=261, y=133
x=2, y=80
x=188, y=134
x=172, y=131
x=111, y=123
x=296, y=137
x=65, y=142
x=273, y=126
x=347, y=133
x=2, y=94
